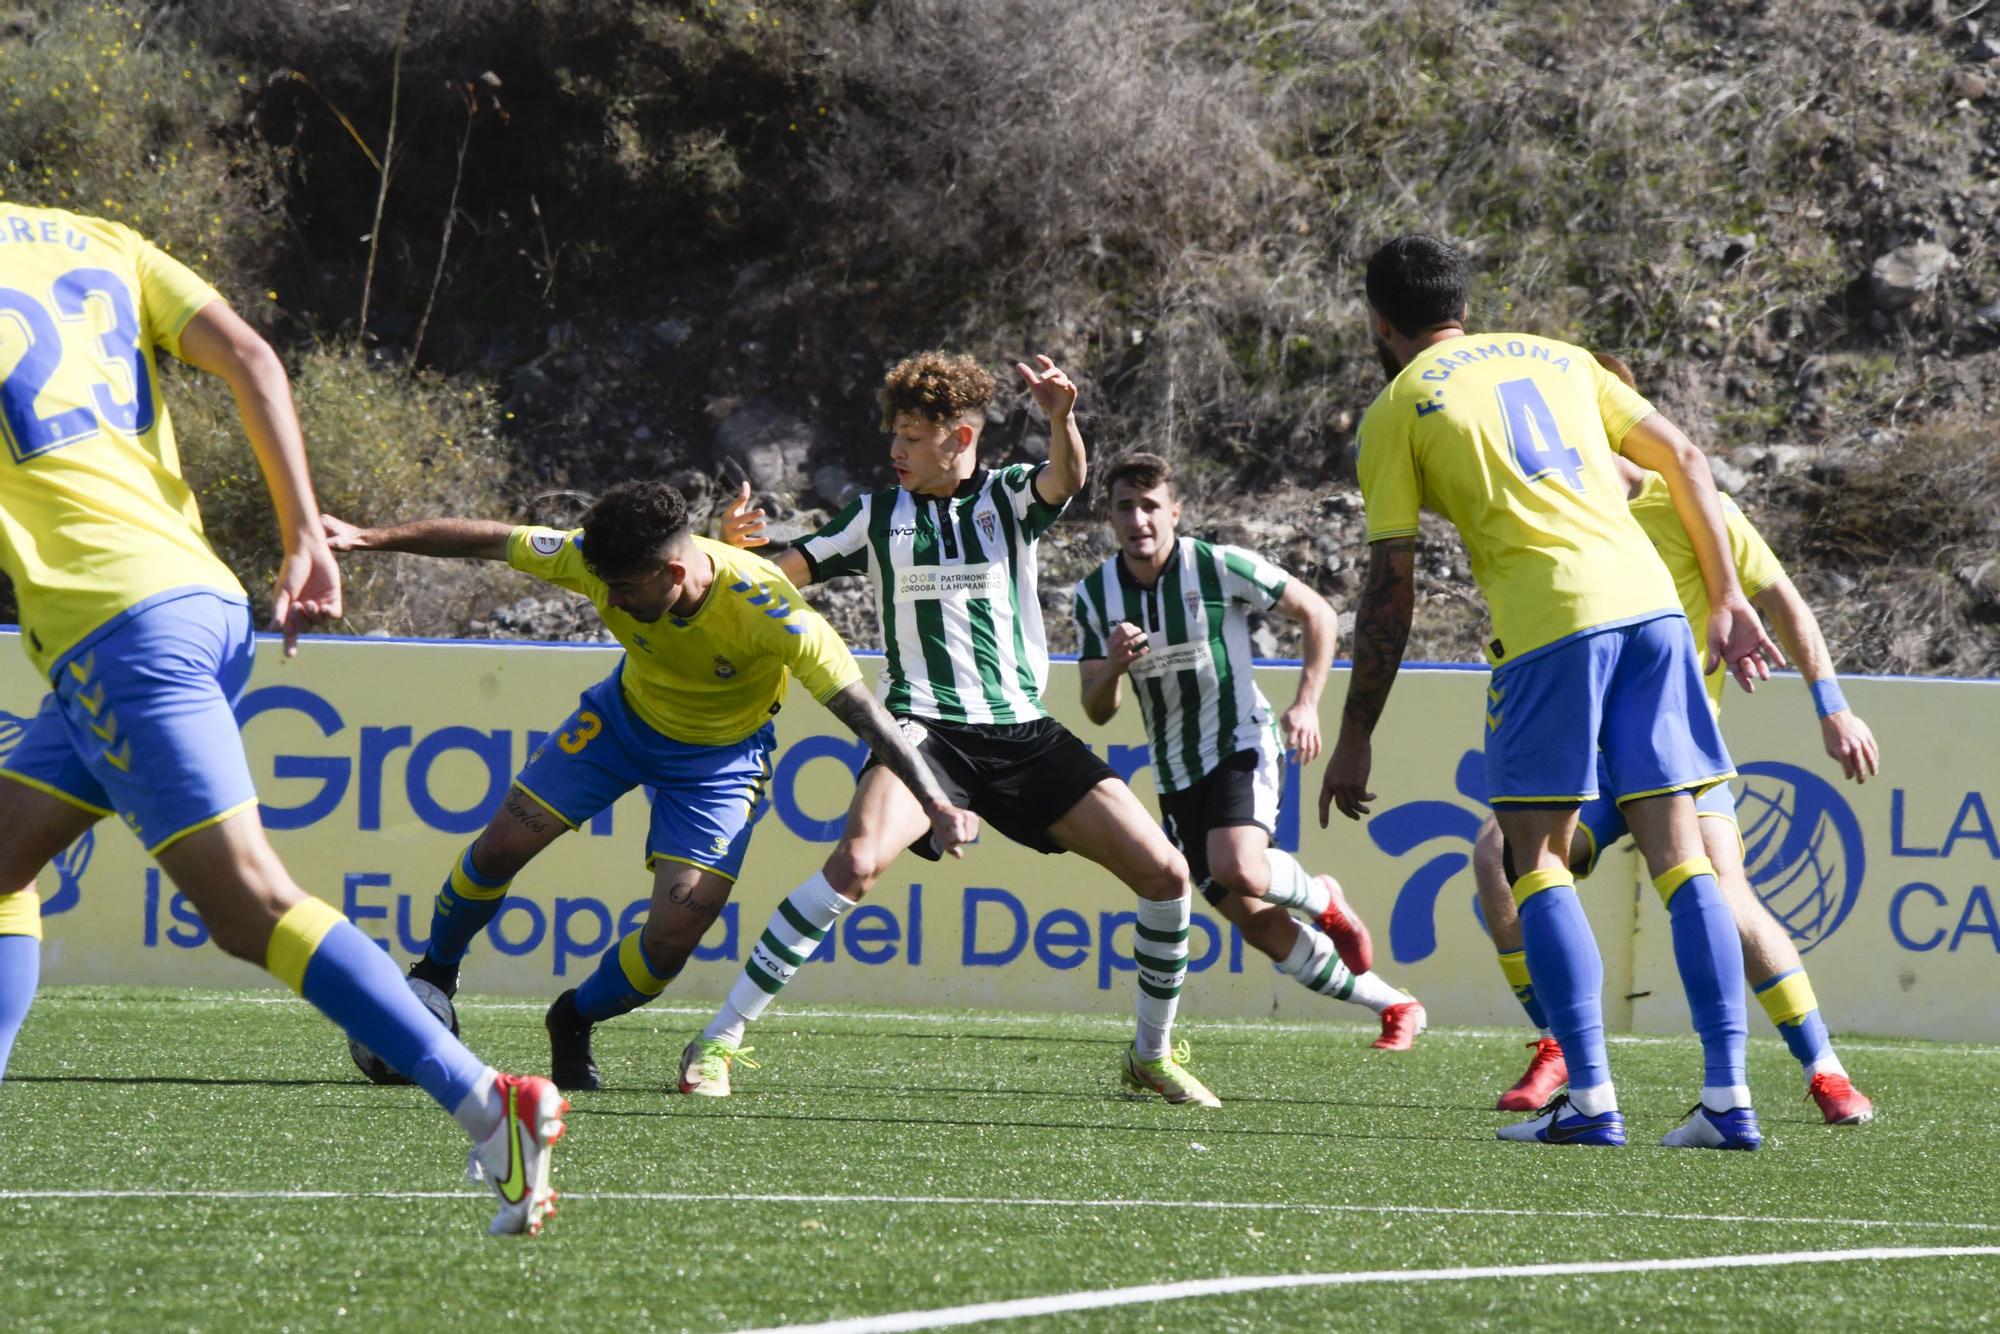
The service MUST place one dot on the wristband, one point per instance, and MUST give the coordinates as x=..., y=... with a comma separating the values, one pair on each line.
x=1827, y=698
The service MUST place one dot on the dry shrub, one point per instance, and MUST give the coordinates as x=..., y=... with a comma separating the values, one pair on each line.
x=384, y=446
x=1104, y=189
x=104, y=113
x=1900, y=551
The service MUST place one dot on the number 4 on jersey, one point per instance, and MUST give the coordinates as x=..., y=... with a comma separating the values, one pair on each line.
x=1532, y=435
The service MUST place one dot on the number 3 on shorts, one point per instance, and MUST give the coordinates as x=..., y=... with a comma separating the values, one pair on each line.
x=588, y=725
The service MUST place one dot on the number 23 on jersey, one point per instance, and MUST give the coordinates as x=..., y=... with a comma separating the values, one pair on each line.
x=110, y=361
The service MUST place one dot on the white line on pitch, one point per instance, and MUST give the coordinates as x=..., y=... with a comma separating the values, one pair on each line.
x=997, y=1019
x=1004, y=1201
x=1062, y=1303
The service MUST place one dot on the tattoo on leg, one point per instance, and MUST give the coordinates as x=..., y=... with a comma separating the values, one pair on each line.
x=532, y=817
x=684, y=895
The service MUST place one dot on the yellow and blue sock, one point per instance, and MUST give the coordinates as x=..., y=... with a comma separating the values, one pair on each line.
x=1788, y=998
x=467, y=901
x=20, y=963
x=1514, y=963
x=350, y=979
x=1568, y=979
x=1709, y=955
x=626, y=978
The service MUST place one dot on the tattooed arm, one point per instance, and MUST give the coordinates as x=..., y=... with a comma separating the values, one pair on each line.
x=867, y=719
x=1381, y=628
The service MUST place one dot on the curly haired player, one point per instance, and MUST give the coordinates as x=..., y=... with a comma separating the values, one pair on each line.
x=951, y=553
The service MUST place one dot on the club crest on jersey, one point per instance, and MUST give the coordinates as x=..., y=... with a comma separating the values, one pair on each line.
x=989, y=524
x=1191, y=596
x=546, y=544
x=724, y=668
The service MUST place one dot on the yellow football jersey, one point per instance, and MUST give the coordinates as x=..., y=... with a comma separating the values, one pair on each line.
x=1510, y=437
x=713, y=678
x=94, y=515
x=1757, y=567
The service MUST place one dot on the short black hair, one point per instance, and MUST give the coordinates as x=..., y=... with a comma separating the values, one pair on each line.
x=1418, y=283
x=632, y=528
x=1140, y=471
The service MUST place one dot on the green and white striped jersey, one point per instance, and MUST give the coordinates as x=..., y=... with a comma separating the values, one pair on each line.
x=1196, y=687
x=955, y=590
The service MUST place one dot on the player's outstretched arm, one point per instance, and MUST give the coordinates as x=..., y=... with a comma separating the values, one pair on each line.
x=1068, y=466
x=217, y=340
x=1848, y=739
x=471, y=539
x=1103, y=677
x=1299, y=726
x=1381, y=629
x=1735, y=635
x=951, y=828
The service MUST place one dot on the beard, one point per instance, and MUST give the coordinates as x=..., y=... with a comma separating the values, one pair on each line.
x=1390, y=366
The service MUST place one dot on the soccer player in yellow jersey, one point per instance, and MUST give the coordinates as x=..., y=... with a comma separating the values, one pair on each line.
x=1514, y=438
x=146, y=640
x=711, y=636
x=1774, y=970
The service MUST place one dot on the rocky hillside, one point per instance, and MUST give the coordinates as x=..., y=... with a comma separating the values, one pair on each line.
x=519, y=249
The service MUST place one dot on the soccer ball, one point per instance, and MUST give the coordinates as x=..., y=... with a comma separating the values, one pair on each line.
x=380, y=1071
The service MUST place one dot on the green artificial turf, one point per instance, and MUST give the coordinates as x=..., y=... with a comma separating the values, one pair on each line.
x=1004, y=1145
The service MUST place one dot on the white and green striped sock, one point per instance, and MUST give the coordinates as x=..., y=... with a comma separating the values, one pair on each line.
x=1292, y=887
x=1317, y=968
x=1161, y=952
x=795, y=930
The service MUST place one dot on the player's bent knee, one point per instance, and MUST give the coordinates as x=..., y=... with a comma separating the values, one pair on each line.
x=505, y=847
x=243, y=929
x=1164, y=882
x=1236, y=879
x=669, y=943
x=853, y=869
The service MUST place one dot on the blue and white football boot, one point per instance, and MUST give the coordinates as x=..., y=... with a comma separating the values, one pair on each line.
x=1704, y=1129
x=1559, y=1123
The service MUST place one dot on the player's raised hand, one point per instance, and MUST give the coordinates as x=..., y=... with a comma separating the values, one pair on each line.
x=1346, y=782
x=1051, y=388
x=953, y=828
x=1736, y=637
x=741, y=525
x=342, y=535
x=1128, y=644
x=1299, y=727
x=1849, y=741
x=307, y=592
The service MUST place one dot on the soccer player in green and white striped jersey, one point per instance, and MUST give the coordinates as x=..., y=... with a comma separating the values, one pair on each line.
x=951, y=553
x=1172, y=613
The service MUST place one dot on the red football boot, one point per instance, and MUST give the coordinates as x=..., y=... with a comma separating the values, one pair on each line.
x=1839, y=1101
x=1400, y=1026
x=1350, y=934
x=1547, y=1072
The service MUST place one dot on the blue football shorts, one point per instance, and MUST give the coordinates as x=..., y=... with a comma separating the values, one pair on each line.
x=705, y=798
x=1629, y=694
x=142, y=718
x=1601, y=822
